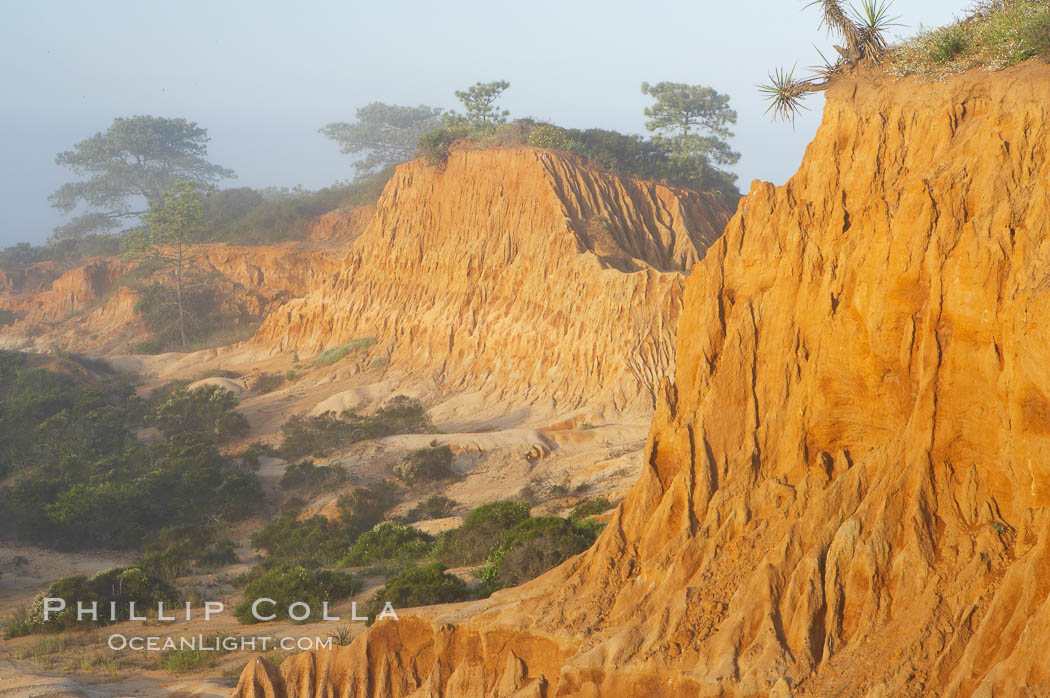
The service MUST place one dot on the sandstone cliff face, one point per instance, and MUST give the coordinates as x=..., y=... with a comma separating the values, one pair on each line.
x=87, y=309
x=518, y=273
x=846, y=484
x=341, y=225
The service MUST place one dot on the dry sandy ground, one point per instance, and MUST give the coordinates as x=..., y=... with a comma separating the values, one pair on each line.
x=499, y=449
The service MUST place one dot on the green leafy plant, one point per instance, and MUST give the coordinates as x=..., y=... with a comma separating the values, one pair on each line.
x=420, y=586
x=387, y=541
x=481, y=531
x=120, y=585
x=425, y=465
x=287, y=584
x=533, y=547
x=435, y=506
x=318, y=435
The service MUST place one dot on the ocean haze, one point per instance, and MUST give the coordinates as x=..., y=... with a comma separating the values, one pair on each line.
x=262, y=77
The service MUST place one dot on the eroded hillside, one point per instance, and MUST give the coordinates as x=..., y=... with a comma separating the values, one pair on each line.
x=846, y=483
x=519, y=274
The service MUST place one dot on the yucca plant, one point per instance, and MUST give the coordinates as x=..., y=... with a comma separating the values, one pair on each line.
x=873, y=20
x=785, y=93
x=863, y=29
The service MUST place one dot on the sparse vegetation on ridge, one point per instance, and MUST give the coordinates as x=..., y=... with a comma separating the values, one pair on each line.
x=691, y=123
x=995, y=35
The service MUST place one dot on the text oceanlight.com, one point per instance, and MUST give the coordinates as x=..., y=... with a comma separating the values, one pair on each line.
x=217, y=643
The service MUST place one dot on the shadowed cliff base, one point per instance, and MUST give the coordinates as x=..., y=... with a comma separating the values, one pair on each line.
x=845, y=485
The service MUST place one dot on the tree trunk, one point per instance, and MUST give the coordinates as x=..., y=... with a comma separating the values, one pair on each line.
x=178, y=292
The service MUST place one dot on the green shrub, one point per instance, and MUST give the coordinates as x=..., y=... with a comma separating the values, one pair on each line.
x=307, y=476
x=64, y=252
x=220, y=373
x=267, y=383
x=481, y=531
x=320, y=541
x=533, y=547
x=434, y=146
x=387, y=541
x=150, y=347
x=312, y=542
x=17, y=624
x=434, y=507
x=287, y=584
x=186, y=659
x=949, y=42
x=85, y=480
x=173, y=551
x=331, y=355
x=420, y=586
x=551, y=137
x=595, y=506
x=175, y=409
x=263, y=217
x=425, y=465
x=122, y=585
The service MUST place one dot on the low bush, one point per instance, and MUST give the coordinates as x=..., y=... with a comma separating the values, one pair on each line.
x=420, y=586
x=66, y=251
x=175, y=409
x=425, y=465
x=434, y=146
x=533, y=547
x=318, y=435
x=251, y=217
x=84, y=479
x=267, y=383
x=595, y=506
x=288, y=584
x=187, y=659
x=176, y=551
x=120, y=585
x=481, y=531
x=387, y=541
x=333, y=354
x=433, y=507
x=317, y=541
x=309, y=477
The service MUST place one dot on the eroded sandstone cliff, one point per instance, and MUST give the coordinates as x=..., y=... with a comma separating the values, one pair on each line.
x=89, y=308
x=518, y=273
x=846, y=484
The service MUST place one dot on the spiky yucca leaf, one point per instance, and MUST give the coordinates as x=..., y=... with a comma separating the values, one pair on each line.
x=873, y=20
x=826, y=69
x=836, y=20
x=785, y=93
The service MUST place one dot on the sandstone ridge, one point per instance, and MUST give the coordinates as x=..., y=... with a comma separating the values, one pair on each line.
x=846, y=483
x=518, y=273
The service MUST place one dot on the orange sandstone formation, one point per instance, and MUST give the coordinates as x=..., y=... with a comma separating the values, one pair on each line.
x=846, y=485
x=518, y=273
x=87, y=308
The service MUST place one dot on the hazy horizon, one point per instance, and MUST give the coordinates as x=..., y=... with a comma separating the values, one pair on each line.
x=263, y=78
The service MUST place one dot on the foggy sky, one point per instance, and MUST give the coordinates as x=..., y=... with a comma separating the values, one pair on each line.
x=264, y=76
